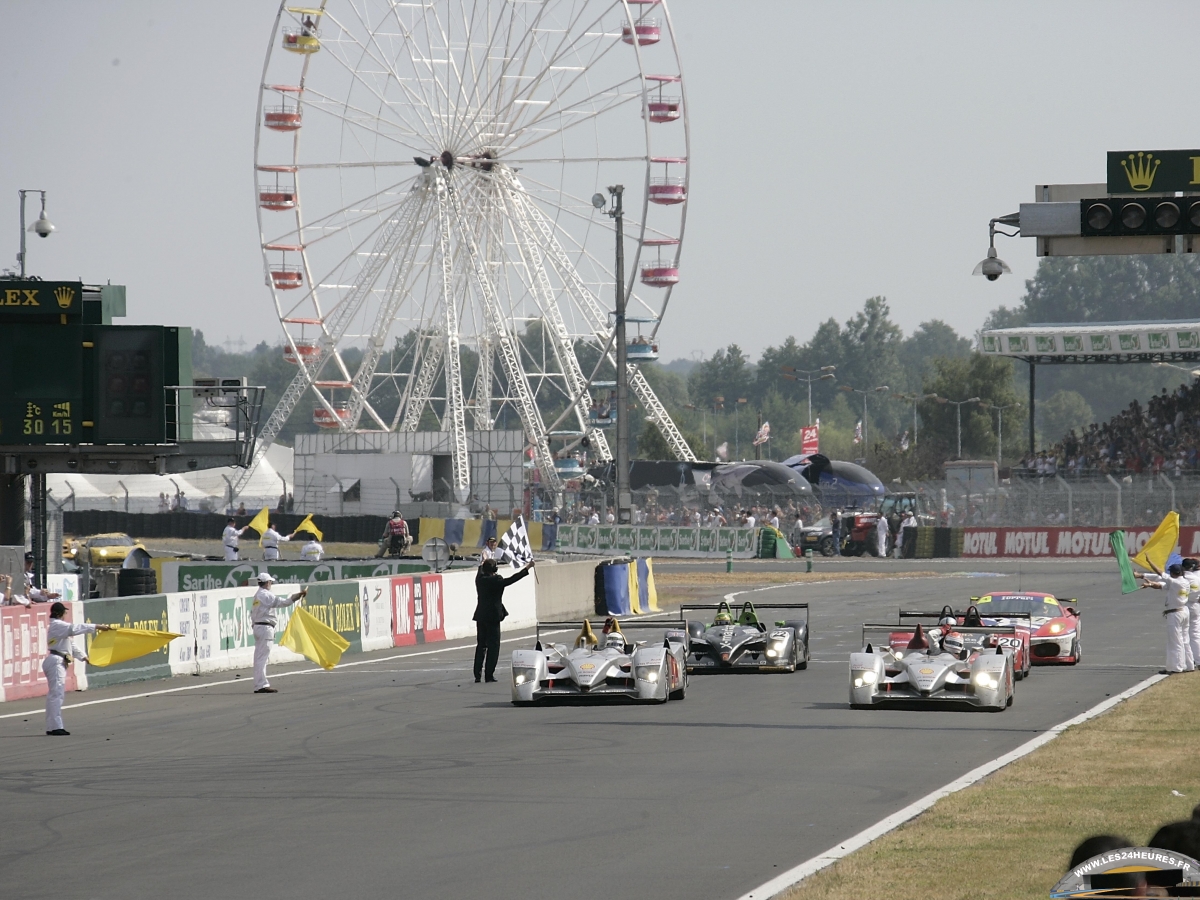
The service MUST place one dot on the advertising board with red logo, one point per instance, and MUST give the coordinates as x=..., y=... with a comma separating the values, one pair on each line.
x=1064, y=541
x=22, y=649
x=418, y=610
x=810, y=439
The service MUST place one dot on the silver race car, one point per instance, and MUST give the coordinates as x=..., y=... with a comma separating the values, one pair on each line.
x=608, y=667
x=946, y=665
x=743, y=643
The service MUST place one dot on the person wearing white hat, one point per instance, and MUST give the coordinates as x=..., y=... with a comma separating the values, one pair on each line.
x=262, y=615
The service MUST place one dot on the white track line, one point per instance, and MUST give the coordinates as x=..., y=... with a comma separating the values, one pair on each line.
x=795, y=875
x=207, y=684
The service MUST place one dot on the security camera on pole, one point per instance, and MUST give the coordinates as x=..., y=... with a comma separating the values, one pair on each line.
x=42, y=227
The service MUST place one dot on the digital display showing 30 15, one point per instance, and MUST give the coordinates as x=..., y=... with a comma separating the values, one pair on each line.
x=41, y=384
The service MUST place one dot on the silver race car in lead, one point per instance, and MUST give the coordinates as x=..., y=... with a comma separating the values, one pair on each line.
x=742, y=643
x=593, y=669
x=945, y=665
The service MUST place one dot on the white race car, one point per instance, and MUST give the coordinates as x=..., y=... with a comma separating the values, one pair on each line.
x=946, y=665
x=613, y=668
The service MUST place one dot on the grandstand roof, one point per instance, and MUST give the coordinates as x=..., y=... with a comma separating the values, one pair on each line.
x=1096, y=342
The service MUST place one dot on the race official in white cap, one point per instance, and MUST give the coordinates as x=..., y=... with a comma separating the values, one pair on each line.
x=61, y=650
x=1177, y=615
x=262, y=615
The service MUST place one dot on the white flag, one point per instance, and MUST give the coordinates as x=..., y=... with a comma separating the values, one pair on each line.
x=858, y=432
x=763, y=435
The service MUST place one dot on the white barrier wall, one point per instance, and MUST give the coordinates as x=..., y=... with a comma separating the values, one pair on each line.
x=216, y=632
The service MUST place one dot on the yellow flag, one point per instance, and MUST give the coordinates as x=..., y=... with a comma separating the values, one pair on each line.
x=310, y=637
x=260, y=522
x=309, y=526
x=121, y=644
x=1161, y=544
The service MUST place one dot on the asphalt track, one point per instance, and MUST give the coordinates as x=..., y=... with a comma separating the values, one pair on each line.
x=401, y=776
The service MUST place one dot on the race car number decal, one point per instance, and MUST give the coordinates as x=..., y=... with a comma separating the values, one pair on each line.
x=777, y=635
x=1010, y=642
x=587, y=666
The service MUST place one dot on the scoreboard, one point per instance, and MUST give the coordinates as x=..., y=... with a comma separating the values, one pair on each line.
x=66, y=382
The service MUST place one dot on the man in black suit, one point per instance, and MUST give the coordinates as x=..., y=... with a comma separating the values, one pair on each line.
x=489, y=613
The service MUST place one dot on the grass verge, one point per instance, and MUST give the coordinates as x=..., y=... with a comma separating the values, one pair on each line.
x=1010, y=836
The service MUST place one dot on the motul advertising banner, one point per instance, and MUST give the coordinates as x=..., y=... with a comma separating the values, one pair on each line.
x=1063, y=542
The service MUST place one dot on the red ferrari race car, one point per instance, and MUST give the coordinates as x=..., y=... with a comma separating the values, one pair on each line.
x=1056, y=636
x=1016, y=643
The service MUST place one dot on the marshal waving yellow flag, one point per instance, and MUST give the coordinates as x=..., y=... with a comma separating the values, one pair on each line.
x=309, y=526
x=120, y=644
x=310, y=637
x=1161, y=544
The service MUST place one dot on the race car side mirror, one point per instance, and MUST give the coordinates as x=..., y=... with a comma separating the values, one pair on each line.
x=974, y=599
x=667, y=643
x=1073, y=611
x=868, y=649
x=538, y=646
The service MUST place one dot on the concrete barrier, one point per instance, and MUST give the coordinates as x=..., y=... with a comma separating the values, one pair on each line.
x=566, y=590
x=206, y=575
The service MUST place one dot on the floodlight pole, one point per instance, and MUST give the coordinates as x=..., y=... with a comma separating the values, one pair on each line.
x=623, y=501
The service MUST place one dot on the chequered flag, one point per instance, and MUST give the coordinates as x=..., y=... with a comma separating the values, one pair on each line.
x=514, y=546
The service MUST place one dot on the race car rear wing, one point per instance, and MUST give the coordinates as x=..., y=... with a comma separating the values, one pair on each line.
x=921, y=614
x=735, y=611
x=959, y=629
x=663, y=624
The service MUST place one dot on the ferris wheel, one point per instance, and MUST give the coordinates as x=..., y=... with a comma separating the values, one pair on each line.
x=424, y=175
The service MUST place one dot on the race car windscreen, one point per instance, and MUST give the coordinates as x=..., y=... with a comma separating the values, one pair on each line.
x=1035, y=606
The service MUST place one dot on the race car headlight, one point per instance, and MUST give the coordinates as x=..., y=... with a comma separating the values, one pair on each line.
x=1056, y=627
x=985, y=680
x=647, y=673
x=772, y=653
x=867, y=677
x=104, y=553
x=523, y=674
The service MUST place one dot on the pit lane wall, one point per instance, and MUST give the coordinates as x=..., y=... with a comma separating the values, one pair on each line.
x=1060, y=542
x=372, y=613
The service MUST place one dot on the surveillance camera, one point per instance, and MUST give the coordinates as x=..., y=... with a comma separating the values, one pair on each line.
x=992, y=267
x=42, y=227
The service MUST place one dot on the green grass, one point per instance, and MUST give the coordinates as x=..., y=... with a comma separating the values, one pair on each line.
x=1011, y=835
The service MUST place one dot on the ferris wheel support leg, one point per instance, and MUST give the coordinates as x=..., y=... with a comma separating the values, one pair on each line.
x=455, y=411
x=535, y=428
x=431, y=363
x=483, y=385
x=407, y=235
x=564, y=349
x=658, y=413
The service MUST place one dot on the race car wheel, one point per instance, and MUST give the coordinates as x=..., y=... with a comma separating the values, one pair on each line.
x=681, y=691
x=1078, y=654
x=827, y=546
x=1008, y=703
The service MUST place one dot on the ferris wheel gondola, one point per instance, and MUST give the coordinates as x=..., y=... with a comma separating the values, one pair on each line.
x=423, y=172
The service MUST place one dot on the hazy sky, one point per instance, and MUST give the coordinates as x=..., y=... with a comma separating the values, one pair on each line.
x=839, y=150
